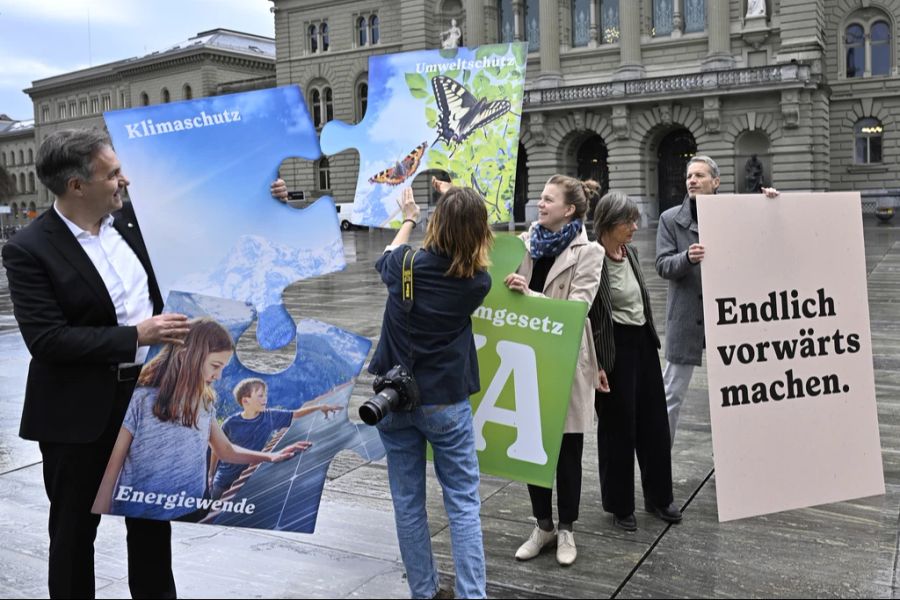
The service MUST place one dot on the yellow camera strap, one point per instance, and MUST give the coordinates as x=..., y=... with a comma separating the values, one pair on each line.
x=407, y=279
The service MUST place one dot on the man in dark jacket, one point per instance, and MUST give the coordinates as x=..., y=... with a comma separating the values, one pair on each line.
x=84, y=296
x=678, y=257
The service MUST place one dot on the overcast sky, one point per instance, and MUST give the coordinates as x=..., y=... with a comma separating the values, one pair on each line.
x=42, y=38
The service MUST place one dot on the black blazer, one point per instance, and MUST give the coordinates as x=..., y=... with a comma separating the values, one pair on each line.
x=600, y=313
x=69, y=324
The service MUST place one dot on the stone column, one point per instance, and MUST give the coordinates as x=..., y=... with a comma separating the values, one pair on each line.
x=550, y=76
x=630, y=66
x=518, y=8
x=474, y=23
x=718, y=20
x=678, y=18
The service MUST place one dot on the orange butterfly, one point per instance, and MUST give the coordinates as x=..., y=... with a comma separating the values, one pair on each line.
x=403, y=169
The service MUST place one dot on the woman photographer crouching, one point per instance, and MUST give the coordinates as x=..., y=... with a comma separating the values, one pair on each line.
x=430, y=334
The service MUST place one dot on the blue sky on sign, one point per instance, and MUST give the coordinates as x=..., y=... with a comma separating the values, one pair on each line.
x=51, y=37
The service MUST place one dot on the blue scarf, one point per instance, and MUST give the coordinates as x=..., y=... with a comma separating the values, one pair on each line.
x=549, y=243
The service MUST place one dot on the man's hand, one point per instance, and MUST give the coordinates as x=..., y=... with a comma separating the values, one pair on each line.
x=439, y=186
x=602, y=382
x=696, y=253
x=163, y=329
x=770, y=192
x=279, y=190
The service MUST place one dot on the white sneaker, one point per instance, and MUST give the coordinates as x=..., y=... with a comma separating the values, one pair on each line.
x=565, y=548
x=535, y=543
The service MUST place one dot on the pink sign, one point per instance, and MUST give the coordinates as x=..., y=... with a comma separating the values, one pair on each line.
x=789, y=352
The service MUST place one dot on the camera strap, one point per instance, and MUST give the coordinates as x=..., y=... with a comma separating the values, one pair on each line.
x=407, y=296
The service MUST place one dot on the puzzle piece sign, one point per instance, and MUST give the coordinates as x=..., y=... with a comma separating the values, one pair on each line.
x=452, y=110
x=527, y=353
x=155, y=474
x=200, y=173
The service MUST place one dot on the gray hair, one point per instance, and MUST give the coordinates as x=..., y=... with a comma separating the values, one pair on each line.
x=713, y=167
x=613, y=209
x=66, y=154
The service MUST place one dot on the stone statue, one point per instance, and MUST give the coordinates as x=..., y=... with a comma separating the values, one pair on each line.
x=450, y=38
x=753, y=175
x=756, y=8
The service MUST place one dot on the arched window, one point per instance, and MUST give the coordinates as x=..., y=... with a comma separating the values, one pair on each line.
x=323, y=174
x=188, y=92
x=867, y=45
x=313, y=39
x=868, y=133
x=21, y=157
x=31, y=182
x=166, y=97
x=3, y=159
x=374, y=33
x=329, y=105
x=362, y=100
x=145, y=99
x=362, y=31
x=21, y=183
x=30, y=156
x=324, y=29
x=316, y=102
x=15, y=209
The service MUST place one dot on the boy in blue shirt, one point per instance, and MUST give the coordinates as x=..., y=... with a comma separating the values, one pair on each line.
x=252, y=428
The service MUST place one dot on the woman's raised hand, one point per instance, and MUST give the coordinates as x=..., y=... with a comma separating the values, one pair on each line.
x=408, y=205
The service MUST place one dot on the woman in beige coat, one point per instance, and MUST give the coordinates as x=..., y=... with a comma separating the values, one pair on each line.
x=561, y=263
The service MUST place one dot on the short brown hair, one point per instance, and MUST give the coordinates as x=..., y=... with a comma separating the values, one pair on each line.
x=246, y=387
x=459, y=229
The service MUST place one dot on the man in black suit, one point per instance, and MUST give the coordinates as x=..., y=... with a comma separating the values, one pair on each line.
x=85, y=296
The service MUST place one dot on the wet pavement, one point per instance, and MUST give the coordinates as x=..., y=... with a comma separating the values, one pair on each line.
x=837, y=550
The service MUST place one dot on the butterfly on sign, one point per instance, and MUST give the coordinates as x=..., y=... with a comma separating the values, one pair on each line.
x=402, y=169
x=461, y=112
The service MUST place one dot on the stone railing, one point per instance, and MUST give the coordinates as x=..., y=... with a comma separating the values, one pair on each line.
x=709, y=81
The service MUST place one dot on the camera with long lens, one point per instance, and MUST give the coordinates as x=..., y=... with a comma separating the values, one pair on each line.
x=396, y=390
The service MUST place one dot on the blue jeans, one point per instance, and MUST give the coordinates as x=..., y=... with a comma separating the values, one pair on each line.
x=448, y=427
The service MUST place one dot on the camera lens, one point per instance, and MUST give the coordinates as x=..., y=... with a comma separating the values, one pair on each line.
x=375, y=408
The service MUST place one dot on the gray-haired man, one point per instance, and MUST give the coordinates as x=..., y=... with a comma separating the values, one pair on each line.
x=678, y=257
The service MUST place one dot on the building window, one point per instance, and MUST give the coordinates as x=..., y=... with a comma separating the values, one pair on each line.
x=22, y=162
x=187, y=92
x=166, y=96
x=663, y=18
x=21, y=183
x=72, y=112
x=61, y=111
x=45, y=114
x=30, y=156
x=145, y=99
x=609, y=21
x=95, y=105
x=362, y=100
x=31, y=182
x=106, y=102
x=83, y=105
x=868, y=133
x=122, y=100
x=362, y=29
x=694, y=16
x=374, y=33
x=3, y=158
x=313, y=39
x=323, y=29
x=506, y=21
x=533, y=25
x=581, y=23
x=323, y=174
x=867, y=46
x=321, y=103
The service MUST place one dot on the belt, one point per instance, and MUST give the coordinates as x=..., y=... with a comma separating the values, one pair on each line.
x=129, y=373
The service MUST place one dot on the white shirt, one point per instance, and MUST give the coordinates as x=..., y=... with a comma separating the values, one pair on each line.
x=122, y=273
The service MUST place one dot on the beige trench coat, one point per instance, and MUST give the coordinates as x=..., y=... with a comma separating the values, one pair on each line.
x=575, y=275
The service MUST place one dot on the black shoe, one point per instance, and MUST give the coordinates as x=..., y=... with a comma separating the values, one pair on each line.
x=669, y=513
x=628, y=522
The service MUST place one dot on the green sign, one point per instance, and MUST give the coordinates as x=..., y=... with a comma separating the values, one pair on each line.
x=527, y=353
